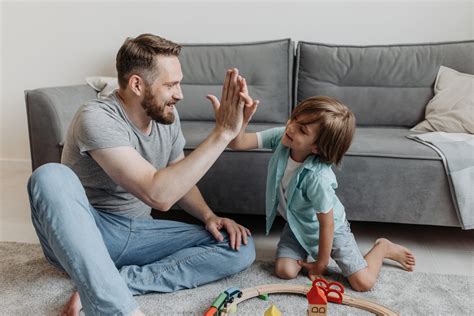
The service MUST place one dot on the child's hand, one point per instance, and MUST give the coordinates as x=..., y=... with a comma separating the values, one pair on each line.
x=314, y=269
x=250, y=106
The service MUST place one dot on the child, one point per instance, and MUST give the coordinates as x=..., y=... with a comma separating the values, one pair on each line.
x=301, y=187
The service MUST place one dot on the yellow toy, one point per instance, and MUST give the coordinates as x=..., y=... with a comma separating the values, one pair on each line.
x=272, y=311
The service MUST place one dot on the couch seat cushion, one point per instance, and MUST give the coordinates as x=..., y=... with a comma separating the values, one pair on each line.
x=389, y=142
x=368, y=141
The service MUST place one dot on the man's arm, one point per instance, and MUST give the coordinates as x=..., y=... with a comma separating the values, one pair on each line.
x=162, y=188
x=194, y=204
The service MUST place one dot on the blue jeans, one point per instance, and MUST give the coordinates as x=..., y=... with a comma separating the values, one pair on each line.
x=110, y=258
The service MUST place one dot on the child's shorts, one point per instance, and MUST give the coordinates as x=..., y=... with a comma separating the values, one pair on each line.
x=344, y=251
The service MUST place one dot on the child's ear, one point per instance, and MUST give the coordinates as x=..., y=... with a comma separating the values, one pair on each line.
x=314, y=149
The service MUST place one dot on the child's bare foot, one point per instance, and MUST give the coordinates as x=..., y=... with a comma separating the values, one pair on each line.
x=73, y=306
x=398, y=253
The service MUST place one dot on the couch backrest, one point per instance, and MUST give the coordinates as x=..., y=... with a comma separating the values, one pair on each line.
x=383, y=85
x=267, y=67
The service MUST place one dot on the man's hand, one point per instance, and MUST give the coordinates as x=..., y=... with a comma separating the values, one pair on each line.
x=229, y=111
x=237, y=233
x=314, y=269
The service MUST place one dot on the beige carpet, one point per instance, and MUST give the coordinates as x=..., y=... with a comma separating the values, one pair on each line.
x=30, y=286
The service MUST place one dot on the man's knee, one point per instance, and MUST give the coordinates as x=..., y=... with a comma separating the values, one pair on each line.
x=50, y=174
x=52, y=185
x=248, y=252
x=52, y=179
x=245, y=256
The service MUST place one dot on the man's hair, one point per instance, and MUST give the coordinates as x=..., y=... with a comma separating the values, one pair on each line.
x=336, y=125
x=137, y=57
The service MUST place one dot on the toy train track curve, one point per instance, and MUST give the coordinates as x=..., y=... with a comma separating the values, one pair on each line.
x=303, y=289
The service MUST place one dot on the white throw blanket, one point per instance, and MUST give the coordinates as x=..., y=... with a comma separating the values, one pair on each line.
x=457, y=151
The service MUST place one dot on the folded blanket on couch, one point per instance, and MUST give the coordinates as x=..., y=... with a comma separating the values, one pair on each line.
x=457, y=151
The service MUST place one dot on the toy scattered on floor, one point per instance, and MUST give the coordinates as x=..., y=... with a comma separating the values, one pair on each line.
x=272, y=311
x=263, y=296
x=223, y=300
x=334, y=292
x=317, y=301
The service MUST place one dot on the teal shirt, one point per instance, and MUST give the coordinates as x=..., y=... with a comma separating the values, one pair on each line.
x=310, y=191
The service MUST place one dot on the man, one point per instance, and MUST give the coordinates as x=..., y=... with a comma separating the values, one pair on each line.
x=123, y=156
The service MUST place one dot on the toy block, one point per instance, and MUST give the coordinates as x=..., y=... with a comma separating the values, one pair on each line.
x=263, y=296
x=272, y=311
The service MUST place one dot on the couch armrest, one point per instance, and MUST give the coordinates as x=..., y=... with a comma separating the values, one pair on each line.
x=49, y=112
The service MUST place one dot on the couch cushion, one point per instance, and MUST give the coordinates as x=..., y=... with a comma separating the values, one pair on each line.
x=389, y=142
x=267, y=66
x=384, y=85
x=368, y=141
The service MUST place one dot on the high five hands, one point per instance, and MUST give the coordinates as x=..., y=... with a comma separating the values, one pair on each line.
x=236, y=107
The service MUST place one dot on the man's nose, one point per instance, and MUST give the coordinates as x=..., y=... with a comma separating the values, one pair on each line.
x=178, y=95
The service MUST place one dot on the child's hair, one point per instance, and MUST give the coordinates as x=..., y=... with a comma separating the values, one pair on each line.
x=336, y=125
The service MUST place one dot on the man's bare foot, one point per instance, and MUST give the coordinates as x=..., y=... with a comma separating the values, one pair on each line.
x=73, y=306
x=398, y=253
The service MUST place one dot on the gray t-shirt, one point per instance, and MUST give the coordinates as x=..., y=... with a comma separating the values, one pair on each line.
x=103, y=124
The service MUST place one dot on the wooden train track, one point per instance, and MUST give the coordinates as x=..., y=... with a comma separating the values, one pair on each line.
x=303, y=289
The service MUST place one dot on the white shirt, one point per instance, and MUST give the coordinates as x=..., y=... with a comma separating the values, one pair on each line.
x=291, y=168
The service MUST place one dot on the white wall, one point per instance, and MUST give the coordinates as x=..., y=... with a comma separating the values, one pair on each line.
x=56, y=43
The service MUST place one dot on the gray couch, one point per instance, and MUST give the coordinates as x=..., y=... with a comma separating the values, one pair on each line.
x=384, y=177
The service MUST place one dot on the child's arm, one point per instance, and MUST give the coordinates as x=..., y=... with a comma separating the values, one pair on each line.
x=326, y=235
x=244, y=140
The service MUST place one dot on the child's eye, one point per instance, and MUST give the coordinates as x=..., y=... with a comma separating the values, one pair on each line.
x=302, y=130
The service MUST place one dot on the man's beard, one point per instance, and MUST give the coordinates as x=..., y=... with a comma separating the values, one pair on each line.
x=154, y=110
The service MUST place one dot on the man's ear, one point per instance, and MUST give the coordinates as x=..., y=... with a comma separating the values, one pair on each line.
x=136, y=84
